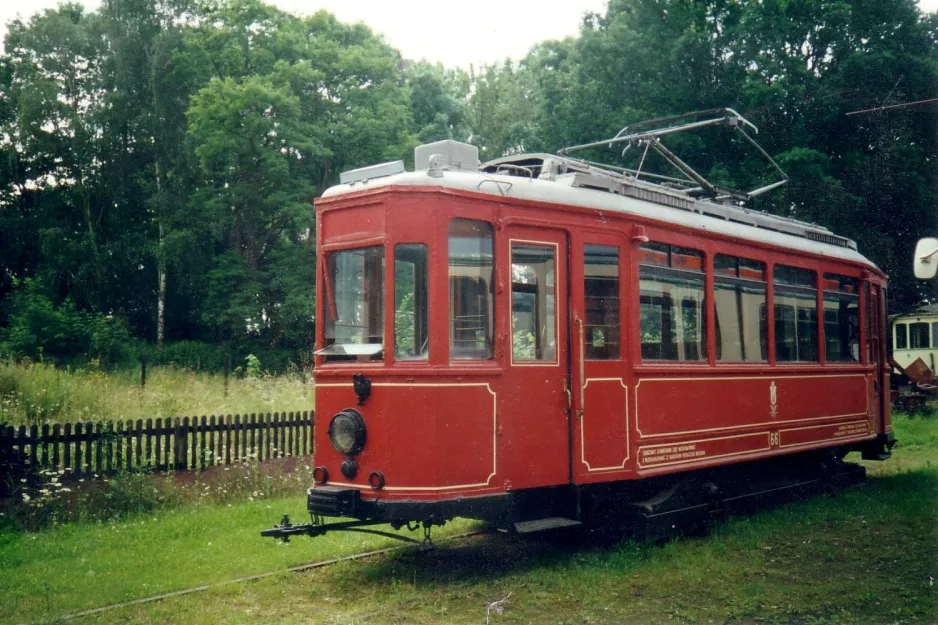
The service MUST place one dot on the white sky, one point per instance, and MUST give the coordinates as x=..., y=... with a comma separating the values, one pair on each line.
x=455, y=33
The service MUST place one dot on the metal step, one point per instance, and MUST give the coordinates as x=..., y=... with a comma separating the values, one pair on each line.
x=542, y=525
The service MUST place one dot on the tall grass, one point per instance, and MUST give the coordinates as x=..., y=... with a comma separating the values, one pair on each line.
x=916, y=429
x=37, y=393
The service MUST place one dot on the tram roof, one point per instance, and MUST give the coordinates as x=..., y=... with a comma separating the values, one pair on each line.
x=926, y=311
x=535, y=177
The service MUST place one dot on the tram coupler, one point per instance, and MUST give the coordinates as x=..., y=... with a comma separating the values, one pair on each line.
x=285, y=529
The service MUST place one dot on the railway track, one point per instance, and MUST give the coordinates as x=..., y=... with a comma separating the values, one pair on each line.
x=248, y=578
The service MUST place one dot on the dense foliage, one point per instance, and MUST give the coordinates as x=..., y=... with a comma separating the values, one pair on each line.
x=158, y=158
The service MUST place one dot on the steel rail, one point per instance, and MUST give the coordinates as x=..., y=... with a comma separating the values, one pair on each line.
x=245, y=578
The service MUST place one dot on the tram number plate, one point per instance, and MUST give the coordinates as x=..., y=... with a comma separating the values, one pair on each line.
x=675, y=453
x=851, y=429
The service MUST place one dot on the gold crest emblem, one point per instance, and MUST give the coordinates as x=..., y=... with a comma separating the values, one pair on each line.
x=773, y=400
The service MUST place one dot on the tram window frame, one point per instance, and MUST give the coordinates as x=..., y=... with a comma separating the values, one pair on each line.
x=841, y=298
x=735, y=277
x=668, y=282
x=916, y=337
x=464, y=289
x=601, y=302
x=868, y=322
x=902, y=338
x=416, y=255
x=541, y=288
x=354, y=327
x=794, y=291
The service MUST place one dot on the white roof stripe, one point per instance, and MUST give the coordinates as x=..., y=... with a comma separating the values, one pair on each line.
x=553, y=193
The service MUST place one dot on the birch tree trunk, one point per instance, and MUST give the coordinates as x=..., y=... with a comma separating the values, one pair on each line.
x=160, y=268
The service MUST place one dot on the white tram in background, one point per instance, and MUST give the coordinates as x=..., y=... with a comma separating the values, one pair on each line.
x=915, y=336
x=914, y=339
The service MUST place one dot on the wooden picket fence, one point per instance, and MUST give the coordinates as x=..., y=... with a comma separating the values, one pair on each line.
x=181, y=444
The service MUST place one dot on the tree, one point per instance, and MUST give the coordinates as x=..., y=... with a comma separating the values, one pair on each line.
x=795, y=68
x=251, y=143
x=438, y=102
x=158, y=158
x=54, y=89
x=290, y=103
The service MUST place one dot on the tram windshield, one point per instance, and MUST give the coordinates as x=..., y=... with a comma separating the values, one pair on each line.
x=354, y=291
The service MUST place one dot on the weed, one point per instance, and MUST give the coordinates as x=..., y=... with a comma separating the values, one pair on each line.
x=56, y=497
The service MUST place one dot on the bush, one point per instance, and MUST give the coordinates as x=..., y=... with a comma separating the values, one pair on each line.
x=252, y=366
x=194, y=355
x=38, y=328
x=274, y=360
x=111, y=342
x=200, y=356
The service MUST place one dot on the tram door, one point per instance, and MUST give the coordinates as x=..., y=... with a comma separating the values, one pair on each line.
x=533, y=425
x=880, y=375
x=600, y=384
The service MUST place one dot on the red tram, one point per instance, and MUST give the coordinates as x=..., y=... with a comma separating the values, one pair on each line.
x=524, y=340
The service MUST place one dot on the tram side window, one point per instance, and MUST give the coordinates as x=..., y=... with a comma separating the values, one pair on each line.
x=841, y=318
x=796, y=338
x=918, y=336
x=471, y=283
x=902, y=337
x=672, y=303
x=739, y=300
x=411, y=340
x=533, y=303
x=601, y=286
x=934, y=334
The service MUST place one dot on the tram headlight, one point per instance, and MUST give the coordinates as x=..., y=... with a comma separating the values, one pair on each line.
x=347, y=432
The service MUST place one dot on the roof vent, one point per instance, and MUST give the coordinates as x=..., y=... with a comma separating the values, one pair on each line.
x=447, y=155
x=373, y=171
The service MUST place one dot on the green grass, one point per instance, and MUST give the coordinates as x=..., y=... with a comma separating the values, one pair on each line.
x=916, y=446
x=80, y=566
x=866, y=556
x=37, y=393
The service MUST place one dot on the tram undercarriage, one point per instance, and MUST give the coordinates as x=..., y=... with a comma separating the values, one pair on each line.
x=648, y=510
